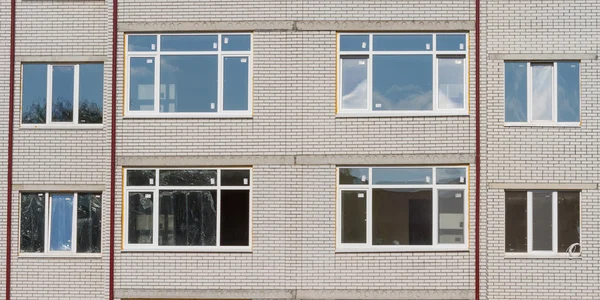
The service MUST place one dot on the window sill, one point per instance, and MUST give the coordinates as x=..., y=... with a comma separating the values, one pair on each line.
x=400, y=114
x=461, y=248
x=60, y=255
x=541, y=256
x=525, y=124
x=240, y=249
x=63, y=126
x=188, y=116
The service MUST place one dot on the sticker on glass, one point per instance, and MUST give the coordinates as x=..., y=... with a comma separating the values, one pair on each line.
x=361, y=62
x=212, y=106
x=427, y=179
x=153, y=47
x=364, y=45
x=461, y=46
x=147, y=196
x=378, y=105
x=214, y=45
x=427, y=46
x=363, y=178
x=151, y=181
x=245, y=180
x=244, y=60
x=149, y=61
x=226, y=40
x=458, y=195
x=462, y=179
x=361, y=195
x=212, y=181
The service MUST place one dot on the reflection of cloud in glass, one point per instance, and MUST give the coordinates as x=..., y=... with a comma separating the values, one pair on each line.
x=515, y=87
x=354, y=83
x=451, y=83
x=357, y=97
x=408, y=97
x=142, y=71
x=542, y=92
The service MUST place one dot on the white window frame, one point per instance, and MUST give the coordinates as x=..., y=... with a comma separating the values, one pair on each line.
x=48, y=225
x=368, y=188
x=554, y=122
x=49, y=100
x=154, y=189
x=543, y=253
x=156, y=55
x=436, y=55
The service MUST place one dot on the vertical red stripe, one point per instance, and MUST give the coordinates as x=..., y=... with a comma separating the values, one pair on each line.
x=113, y=145
x=477, y=146
x=11, y=106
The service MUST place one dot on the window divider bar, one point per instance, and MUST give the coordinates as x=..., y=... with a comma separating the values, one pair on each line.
x=49, y=75
x=529, y=221
x=74, y=223
x=218, y=206
x=529, y=93
x=434, y=214
x=220, y=84
x=555, y=92
x=47, y=224
x=76, y=94
x=155, y=217
x=157, y=84
x=555, y=221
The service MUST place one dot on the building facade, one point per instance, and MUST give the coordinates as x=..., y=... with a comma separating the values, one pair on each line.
x=299, y=149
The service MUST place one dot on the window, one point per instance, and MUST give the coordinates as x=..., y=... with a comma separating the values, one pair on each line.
x=62, y=94
x=402, y=208
x=189, y=75
x=187, y=209
x=60, y=223
x=542, y=93
x=541, y=222
x=402, y=74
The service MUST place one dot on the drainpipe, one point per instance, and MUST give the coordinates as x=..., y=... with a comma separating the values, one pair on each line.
x=11, y=106
x=477, y=144
x=113, y=145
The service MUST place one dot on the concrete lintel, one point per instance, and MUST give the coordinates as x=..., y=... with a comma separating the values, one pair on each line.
x=206, y=26
x=543, y=186
x=183, y=161
x=397, y=159
x=61, y=58
x=354, y=294
x=355, y=25
x=59, y=187
x=543, y=57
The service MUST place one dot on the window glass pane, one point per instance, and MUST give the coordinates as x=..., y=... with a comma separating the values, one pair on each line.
x=188, y=83
x=91, y=85
x=354, y=216
x=141, y=83
x=141, y=43
x=188, y=177
x=354, y=176
x=235, y=177
x=451, y=175
x=542, y=221
x=62, y=93
x=568, y=91
x=568, y=220
x=188, y=43
x=541, y=92
x=141, y=177
x=61, y=226
x=516, y=222
x=354, y=82
x=402, y=217
x=33, y=216
x=187, y=218
x=88, y=223
x=402, y=82
x=140, y=217
x=451, y=216
x=236, y=42
x=451, y=83
x=413, y=42
x=34, y=93
x=450, y=42
x=402, y=175
x=235, y=83
x=235, y=218
x=515, y=91
x=354, y=42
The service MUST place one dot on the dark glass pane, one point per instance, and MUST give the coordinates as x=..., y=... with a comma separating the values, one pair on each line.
x=33, y=216
x=354, y=42
x=568, y=220
x=515, y=92
x=89, y=219
x=61, y=222
x=402, y=217
x=141, y=84
x=413, y=42
x=354, y=216
x=141, y=177
x=402, y=82
x=91, y=85
x=34, y=91
x=235, y=218
x=450, y=42
x=568, y=91
x=188, y=43
x=141, y=43
x=188, y=177
x=542, y=221
x=451, y=217
x=402, y=175
x=188, y=83
x=62, y=93
x=236, y=42
x=451, y=175
x=354, y=176
x=187, y=218
x=235, y=83
x=235, y=177
x=140, y=218
x=516, y=222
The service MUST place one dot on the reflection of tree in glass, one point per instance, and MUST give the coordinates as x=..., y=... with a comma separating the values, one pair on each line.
x=62, y=109
x=36, y=112
x=89, y=112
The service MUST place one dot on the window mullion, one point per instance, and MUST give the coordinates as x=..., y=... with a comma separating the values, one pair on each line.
x=74, y=224
x=529, y=93
x=47, y=223
x=370, y=208
x=155, y=218
x=157, y=84
x=555, y=92
x=555, y=221
x=76, y=94
x=434, y=79
x=49, y=94
x=218, y=235
x=220, y=76
x=529, y=222
x=435, y=215
x=370, y=82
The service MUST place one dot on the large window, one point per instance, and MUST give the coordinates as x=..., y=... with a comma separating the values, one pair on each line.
x=62, y=94
x=402, y=208
x=542, y=93
x=402, y=74
x=189, y=75
x=60, y=223
x=187, y=209
x=541, y=222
